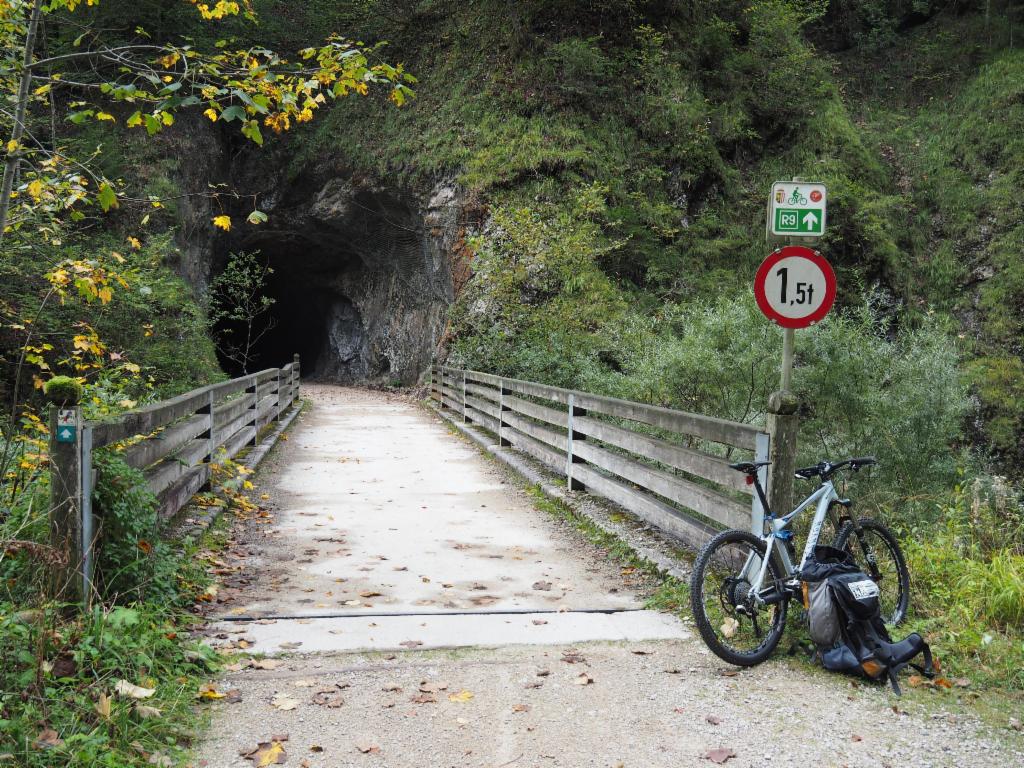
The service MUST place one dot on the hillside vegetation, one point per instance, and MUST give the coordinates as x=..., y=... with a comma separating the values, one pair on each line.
x=612, y=158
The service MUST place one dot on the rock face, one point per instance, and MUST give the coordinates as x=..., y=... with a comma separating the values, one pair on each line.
x=361, y=269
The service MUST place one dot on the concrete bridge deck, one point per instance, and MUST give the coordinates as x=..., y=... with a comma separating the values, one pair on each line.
x=421, y=612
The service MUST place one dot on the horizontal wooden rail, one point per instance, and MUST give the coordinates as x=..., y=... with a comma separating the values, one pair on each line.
x=175, y=442
x=666, y=466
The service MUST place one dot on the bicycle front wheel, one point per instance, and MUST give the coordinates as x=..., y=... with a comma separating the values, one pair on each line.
x=876, y=551
x=735, y=626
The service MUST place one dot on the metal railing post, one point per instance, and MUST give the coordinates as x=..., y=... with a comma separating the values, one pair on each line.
x=761, y=450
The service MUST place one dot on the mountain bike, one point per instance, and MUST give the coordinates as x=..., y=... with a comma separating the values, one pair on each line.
x=742, y=583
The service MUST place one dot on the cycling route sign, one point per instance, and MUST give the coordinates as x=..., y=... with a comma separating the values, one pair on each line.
x=797, y=209
x=795, y=287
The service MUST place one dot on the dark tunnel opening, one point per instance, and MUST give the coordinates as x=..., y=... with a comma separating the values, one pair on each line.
x=359, y=285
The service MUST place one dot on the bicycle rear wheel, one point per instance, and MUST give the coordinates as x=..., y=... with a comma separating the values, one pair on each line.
x=876, y=550
x=737, y=628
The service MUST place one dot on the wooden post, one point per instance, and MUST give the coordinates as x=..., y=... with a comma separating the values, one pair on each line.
x=464, y=417
x=571, y=436
x=280, y=405
x=66, y=583
x=783, y=426
x=503, y=441
x=255, y=410
x=295, y=377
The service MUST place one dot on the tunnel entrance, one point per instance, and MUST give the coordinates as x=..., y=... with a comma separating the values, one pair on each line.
x=360, y=286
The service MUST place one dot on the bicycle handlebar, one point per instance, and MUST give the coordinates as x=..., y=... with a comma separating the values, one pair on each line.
x=825, y=470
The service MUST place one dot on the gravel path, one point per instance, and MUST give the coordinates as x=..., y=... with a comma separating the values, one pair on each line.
x=509, y=697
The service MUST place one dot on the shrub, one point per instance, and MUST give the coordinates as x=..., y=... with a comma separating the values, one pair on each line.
x=133, y=562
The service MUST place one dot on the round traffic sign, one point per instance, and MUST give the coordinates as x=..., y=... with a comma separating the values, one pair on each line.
x=795, y=287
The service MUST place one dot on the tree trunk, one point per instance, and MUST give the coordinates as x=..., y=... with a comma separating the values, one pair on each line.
x=21, y=107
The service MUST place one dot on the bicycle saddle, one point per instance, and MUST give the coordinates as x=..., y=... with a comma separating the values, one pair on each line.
x=749, y=467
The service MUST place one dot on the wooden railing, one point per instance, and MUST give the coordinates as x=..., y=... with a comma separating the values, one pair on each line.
x=668, y=467
x=173, y=443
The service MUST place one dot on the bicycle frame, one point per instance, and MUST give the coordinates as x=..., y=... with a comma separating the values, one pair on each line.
x=823, y=497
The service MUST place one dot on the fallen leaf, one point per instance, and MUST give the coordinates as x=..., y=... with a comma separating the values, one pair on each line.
x=124, y=688
x=102, y=706
x=367, y=748
x=461, y=697
x=583, y=679
x=209, y=691
x=267, y=753
x=392, y=688
x=942, y=682
x=329, y=697
x=712, y=719
x=428, y=687
x=370, y=593
x=679, y=711
x=725, y=672
x=232, y=696
x=161, y=760
x=423, y=698
x=411, y=643
x=145, y=712
x=642, y=652
x=542, y=586
x=265, y=663
x=315, y=748
x=962, y=682
x=284, y=702
x=572, y=656
x=729, y=627
x=719, y=754
x=304, y=683
x=520, y=707
x=539, y=622
x=47, y=739
x=1016, y=724
x=855, y=737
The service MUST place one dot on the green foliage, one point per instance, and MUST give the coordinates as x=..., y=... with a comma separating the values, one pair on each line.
x=63, y=390
x=133, y=561
x=968, y=581
x=53, y=673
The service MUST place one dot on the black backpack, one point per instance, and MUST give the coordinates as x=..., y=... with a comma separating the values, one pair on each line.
x=845, y=621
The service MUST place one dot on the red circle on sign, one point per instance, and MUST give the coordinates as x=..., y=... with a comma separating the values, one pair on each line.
x=764, y=271
x=816, y=196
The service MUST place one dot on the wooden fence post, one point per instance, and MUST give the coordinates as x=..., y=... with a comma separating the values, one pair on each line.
x=255, y=410
x=295, y=376
x=464, y=417
x=783, y=425
x=502, y=408
x=66, y=582
x=571, y=436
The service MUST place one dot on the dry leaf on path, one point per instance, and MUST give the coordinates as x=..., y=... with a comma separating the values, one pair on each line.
x=461, y=697
x=267, y=753
x=542, y=586
x=284, y=702
x=265, y=663
x=423, y=698
x=328, y=697
x=367, y=748
x=209, y=691
x=370, y=593
x=520, y=707
x=539, y=622
x=583, y=679
x=428, y=687
x=411, y=643
x=124, y=688
x=712, y=720
x=719, y=754
x=572, y=656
